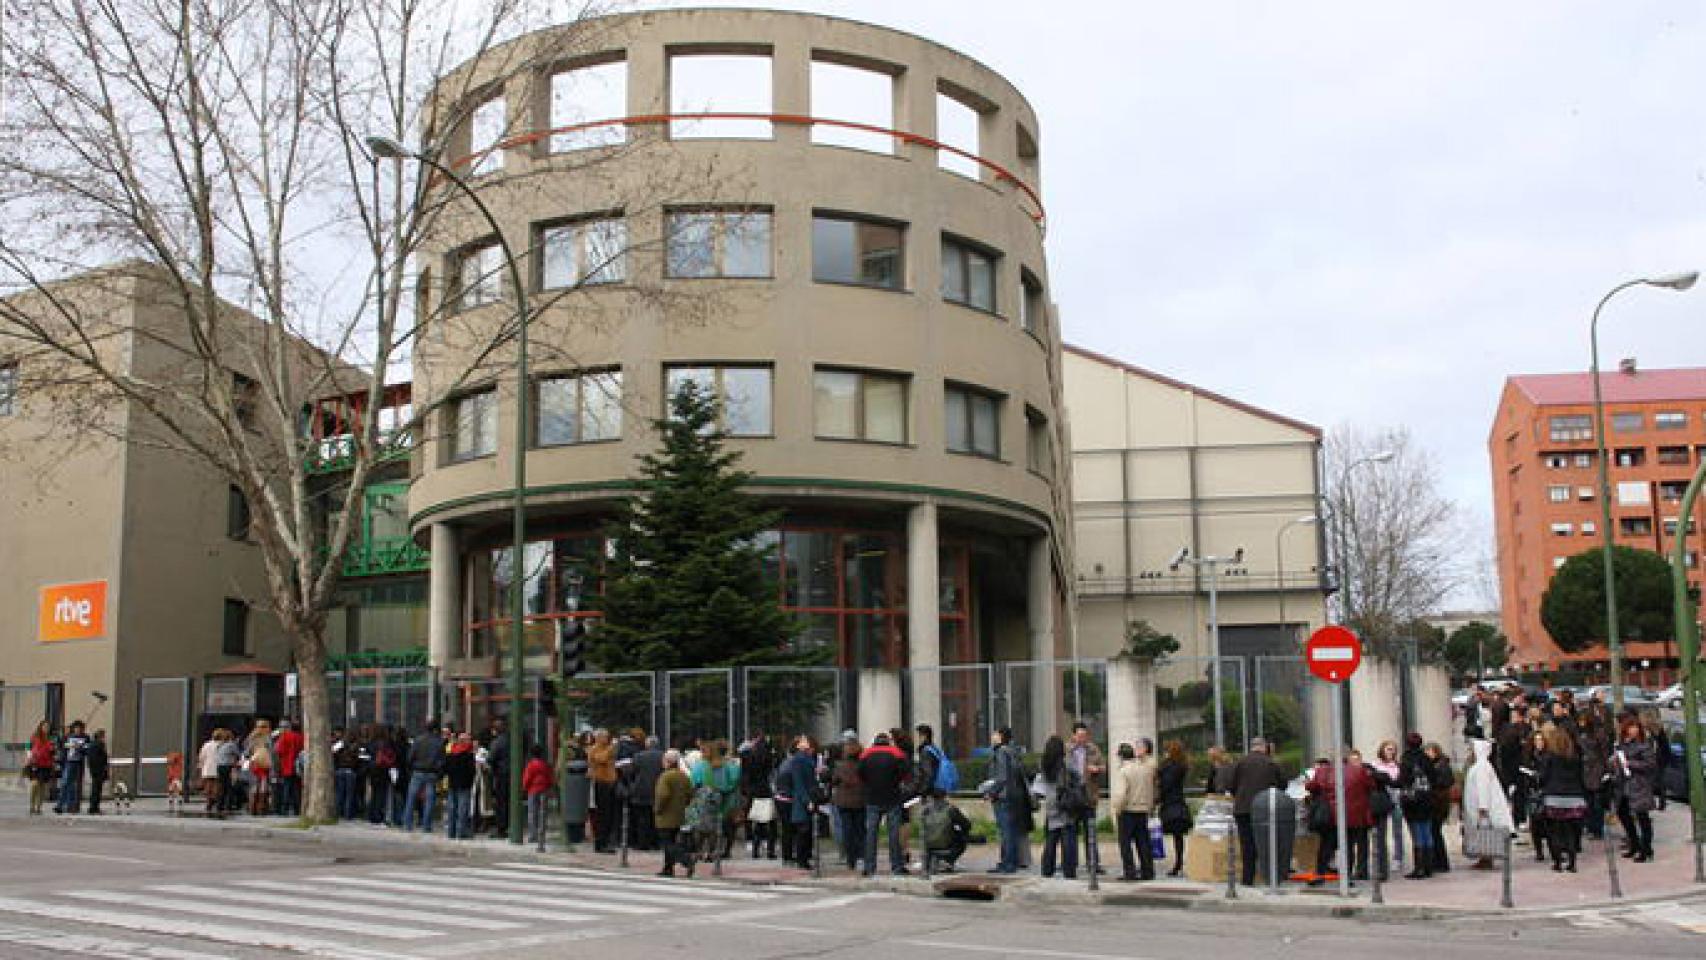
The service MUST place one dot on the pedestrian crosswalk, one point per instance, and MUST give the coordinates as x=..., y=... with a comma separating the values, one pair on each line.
x=386, y=912
x=1663, y=916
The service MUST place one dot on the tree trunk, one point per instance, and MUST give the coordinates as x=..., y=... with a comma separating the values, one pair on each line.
x=312, y=690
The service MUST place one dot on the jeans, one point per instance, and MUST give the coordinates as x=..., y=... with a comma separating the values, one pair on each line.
x=1134, y=831
x=1390, y=834
x=536, y=818
x=1422, y=832
x=852, y=834
x=1066, y=836
x=1007, y=818
x=70, y=788
x=423, y=792
x=347, y=796
x=399, y=798
x=874, y=817
x=457, y=807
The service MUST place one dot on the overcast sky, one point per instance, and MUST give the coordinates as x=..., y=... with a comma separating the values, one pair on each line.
x=1359, y=212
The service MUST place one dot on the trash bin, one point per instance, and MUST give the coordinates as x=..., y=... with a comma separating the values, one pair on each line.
x=1273, y=818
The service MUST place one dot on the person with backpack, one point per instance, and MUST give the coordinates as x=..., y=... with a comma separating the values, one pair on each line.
x=944, y=831
x=935, y=770
x=716, y=788
x=669, y=812
x=885, y=772
x=799, y=776
x=1008, y=792
x=1131, y=798
x=1066, y=804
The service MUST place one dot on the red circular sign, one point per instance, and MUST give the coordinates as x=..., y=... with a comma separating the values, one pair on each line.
x=1333, y=653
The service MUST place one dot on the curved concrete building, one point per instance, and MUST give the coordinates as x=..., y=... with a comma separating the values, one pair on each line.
x=834, y=225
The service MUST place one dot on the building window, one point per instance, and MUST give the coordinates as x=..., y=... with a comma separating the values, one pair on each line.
x=1584, y=493
x=1673, y=456
x=1633, y=493
x=1628, y=423
x=1668, y=525
x=973, y=421
x=743, y=395
x=583, y=252
x=1671, y=491
x=485, y=133
x=855, y=93
x=1557, y=461
x=479, y=275
x=1558, y=562
x=234, y=637
x=237, y=516
x=578, y=409
x=8, y=389
x=968, y=274
x=859, y=405
x=1630, y=457
x=587, y=94
x=1039, y=443
x=1033, y=309
x=1670, y=420
x=1583, y=460
x=870, y=253
x=1563, y=529
x=958, y=125
x=1572, y=427
x=717, y=243
x=1558, y=494
x=1589, y=528
x=725, y=83
x=473, y=420
x=1635, y=526
x=245, y=399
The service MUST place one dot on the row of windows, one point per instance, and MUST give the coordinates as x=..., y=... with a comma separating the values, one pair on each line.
x=736, y=243
x=846, y=405
x=852, y=90
x=1627, y=526
x=1579, y=426
x=1668, y=456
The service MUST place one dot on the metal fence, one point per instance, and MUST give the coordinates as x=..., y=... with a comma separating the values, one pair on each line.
x=21, y=708
x=1200, y=700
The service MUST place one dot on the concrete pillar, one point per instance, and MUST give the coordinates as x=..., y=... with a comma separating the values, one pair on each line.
x=878, y=701
x=1375, y=706
x=1039, y=615
x=1432, y=686
x=1320, y=719
x=1131, y=701
x=444, y=597
x=923, y=626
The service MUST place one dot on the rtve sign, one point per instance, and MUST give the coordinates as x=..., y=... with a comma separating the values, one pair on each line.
x=73, y=611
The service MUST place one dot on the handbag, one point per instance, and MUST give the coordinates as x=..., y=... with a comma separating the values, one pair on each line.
x=1320, y=816
x=763, y=810
x=1483, y=840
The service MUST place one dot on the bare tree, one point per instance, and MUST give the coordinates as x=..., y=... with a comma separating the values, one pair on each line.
x=219, y=149
x=1392, y=530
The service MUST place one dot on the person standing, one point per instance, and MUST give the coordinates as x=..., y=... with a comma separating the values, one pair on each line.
x=799, y=772
x=643, y=776
x=1175, y=813
x=1064, y=795
x=71, y=749
x=606, y=813
x=426, y=760
x=1634, y=761
x=1593, y=745
x=1388, y=819
x=346, y=758
x=1539, y=833
x=497, y=762
x=1359, y=785
x=669, y=812
x=536, y=782
x=884, y=771
x=257, y=756
x=1254, y=772
x=460, y=770
x=1484, y=800
x=758, y=792
x=1563, y=797
x=97, y=759
x=1009, y=793
x=847, y=796
x=40, y=769
x=288, y=750
x=1416, y=801
x=1441, y=776
x=207, y=767
x=1131, y=798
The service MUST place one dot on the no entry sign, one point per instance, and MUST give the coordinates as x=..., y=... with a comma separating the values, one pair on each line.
x=1333, y=654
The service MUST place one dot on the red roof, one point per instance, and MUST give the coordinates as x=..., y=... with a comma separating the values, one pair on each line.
x=1643, y=386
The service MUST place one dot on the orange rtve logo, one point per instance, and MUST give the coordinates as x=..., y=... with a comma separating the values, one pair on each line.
x=73, y=611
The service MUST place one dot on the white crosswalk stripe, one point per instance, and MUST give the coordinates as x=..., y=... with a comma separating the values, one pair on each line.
x=1662, y=916
x=704, y=888
x=372, y=888
x=432, y=918
x=84, y=944
x=225, y=911
x=252, y=936
x=611, y=889
x=525, y=888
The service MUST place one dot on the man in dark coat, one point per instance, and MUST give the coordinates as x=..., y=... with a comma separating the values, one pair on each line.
x=643, y=773
x=1254, y=772
x=884, y=771
x=96, y=758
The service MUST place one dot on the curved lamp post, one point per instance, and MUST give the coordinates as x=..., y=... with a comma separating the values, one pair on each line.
x=387, y=149
x=1613, y=643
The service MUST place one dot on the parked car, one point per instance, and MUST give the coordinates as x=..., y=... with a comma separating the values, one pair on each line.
x=1676, y=776
x=1633, y=696
x=1670, y=697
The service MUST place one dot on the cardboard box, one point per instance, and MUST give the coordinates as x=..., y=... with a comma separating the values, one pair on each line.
x=1206, y=858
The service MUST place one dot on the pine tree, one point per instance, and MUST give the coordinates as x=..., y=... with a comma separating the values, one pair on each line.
x=687, y=586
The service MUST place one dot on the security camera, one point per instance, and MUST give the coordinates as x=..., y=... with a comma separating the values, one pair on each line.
x=1178, y=558
x=1238, y=555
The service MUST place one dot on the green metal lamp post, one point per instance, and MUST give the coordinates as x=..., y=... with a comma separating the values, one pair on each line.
x=386, y=148
x=1614, y=643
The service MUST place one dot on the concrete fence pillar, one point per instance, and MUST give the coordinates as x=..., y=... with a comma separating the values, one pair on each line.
x=878, y=701
x=1131, y=701
x=1320, y=732
x=1432, y=686
x=1376, y=708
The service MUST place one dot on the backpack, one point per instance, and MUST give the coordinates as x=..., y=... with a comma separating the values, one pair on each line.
x=1071, y=796
x=947, y=775
x=938, y=826
x=704, y=811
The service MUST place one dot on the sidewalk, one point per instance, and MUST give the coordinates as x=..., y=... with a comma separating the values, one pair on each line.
x=1463, y=891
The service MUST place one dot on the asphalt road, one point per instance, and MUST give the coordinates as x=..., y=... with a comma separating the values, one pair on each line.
x=88, y=892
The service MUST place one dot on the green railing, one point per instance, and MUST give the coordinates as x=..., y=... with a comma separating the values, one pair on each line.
x=334, y=454
x=373, y=558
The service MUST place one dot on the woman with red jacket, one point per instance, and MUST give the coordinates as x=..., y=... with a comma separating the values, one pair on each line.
x=536, y=782
x=1359, y=815
x=40, y=767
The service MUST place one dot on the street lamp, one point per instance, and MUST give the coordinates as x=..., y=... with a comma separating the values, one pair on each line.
x=384, y=148
x=1613, y=643
x=1279, y=562
x=1213, y=565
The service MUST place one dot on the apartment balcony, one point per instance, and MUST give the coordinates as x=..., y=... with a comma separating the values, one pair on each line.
x=377, y=558
x=337, y=454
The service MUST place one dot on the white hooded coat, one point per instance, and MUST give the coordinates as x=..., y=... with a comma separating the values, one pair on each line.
x=1483, y=795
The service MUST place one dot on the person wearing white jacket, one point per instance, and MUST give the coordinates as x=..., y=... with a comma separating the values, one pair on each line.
x=1484, y=796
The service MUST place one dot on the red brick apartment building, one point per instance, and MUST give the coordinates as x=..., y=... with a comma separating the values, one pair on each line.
x=1546, y=493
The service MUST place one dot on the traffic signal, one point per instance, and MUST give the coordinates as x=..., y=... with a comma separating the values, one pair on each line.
x=571, y=646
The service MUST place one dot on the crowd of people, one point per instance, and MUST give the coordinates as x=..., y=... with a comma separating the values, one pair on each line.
x=57, y=764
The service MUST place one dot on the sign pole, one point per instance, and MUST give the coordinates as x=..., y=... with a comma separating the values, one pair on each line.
x=1340, y=857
